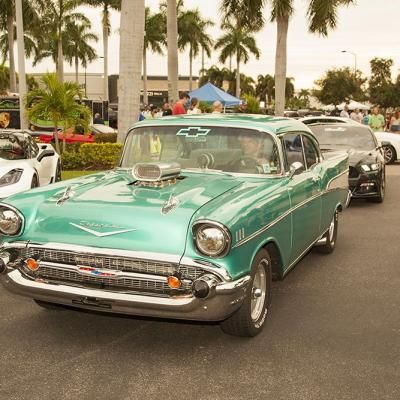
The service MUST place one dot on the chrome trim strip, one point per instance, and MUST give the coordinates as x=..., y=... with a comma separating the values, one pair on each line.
x=207, y=266
x=19, y=215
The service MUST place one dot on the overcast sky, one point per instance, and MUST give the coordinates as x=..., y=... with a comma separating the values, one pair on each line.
x=369, y=29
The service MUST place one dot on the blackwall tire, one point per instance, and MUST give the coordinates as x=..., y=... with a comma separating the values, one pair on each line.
x=249, y=319
x=330, y=236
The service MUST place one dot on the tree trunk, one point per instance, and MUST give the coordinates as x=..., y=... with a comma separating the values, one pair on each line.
x=55, y=134
x=237, y=77
x=105, y=53
x=280, y=64
x=172, y=40
x=202, y=61
x=190, y=69
x=13, y=78
x=130, y=67
x=21, y=64
x=145, y=97
x=60, y=61
x=76, y=70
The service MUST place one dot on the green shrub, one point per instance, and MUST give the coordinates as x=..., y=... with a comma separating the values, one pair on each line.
x=92, y=156
x=205, y=107
x=105, y=137
x=253, y=105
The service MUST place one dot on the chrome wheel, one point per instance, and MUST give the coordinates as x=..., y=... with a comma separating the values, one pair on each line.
x=331, y=231
x=258, y=291
x=388, y=154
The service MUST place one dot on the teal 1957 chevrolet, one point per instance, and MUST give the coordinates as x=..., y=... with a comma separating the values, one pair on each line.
x=200, y=215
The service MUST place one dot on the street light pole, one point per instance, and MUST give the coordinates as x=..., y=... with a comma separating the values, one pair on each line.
x=21, y=63
x=355, y=59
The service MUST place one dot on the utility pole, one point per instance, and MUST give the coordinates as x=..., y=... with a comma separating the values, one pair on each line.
x=21, y=63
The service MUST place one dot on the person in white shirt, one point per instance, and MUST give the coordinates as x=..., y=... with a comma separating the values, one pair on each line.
x=345, y=112
x=217, y=107
x=194, y=106
x=356, y=116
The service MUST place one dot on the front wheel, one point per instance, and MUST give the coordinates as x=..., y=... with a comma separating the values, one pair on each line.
x=250, y=318
x=35, y=182
x=329, y=236
x=389, y=153
x=58, y=172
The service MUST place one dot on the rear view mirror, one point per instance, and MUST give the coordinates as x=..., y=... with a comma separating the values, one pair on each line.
x=295, y=169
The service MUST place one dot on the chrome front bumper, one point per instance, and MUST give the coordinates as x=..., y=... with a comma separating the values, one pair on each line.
x=225, y=299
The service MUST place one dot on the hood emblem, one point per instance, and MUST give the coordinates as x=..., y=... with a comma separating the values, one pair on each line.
x=170, y=204
x=100, y=234
x=68, y=193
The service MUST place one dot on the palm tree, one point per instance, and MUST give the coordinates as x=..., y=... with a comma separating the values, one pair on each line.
x=192, y=33
x=238, y=40
x=58, y=102
x=56, y=16
x=130, y=53
x=246, y=83
x=172, y=41
x=77, y=48
x=213, y=75
x=4, y=79
x=322, y=16
x=154, y=39
x=107, y=6
x=265, y=88
x=8, y=36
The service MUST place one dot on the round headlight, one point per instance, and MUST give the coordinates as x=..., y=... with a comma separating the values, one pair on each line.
x=212, y=240
x=10, y=222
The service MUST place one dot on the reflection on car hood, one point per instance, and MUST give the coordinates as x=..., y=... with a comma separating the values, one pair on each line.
x=107, y=210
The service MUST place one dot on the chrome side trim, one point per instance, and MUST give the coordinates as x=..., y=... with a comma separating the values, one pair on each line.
x=275, y=221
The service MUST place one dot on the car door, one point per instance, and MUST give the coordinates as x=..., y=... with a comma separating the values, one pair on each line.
x=304, y=191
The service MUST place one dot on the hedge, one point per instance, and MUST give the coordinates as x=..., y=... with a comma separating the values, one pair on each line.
x=91, y=156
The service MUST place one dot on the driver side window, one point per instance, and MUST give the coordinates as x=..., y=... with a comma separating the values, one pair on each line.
x=310, y=152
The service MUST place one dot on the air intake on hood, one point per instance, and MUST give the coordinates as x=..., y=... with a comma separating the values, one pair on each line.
x=155, y=172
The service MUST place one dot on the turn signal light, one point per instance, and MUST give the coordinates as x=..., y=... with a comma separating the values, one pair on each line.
x=174, y=282
x=32, y=264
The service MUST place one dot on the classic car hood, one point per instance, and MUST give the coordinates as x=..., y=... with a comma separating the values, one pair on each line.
x=107, y=210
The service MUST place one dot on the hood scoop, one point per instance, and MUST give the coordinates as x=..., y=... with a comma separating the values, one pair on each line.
x=159, y=174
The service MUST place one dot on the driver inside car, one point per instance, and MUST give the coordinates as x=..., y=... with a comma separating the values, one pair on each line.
x=252, y=159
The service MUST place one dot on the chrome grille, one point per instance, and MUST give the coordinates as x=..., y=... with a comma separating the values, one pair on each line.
x=119, y=263
x=63, y=275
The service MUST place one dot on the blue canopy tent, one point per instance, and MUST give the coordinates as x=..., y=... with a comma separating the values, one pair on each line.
x=210, y=93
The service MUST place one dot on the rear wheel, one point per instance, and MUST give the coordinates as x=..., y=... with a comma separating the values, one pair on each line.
x=250, y=318
x=389, y=153
x=329, y=236
x=35, y=182
x=58, y=172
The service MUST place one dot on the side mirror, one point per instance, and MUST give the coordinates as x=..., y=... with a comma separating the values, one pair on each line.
x=295, y=169
x=45, y=153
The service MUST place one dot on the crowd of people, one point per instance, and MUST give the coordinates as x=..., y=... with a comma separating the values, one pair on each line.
x=374, y=119
x=184, y=105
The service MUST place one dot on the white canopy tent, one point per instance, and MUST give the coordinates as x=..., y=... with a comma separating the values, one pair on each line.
x=353, y=105
x=329, y=107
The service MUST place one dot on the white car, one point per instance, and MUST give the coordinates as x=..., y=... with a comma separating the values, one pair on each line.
x=24, y=164
x=390, y=143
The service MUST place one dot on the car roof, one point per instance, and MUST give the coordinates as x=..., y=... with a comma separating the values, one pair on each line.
x=329, y=119
x=274, y=125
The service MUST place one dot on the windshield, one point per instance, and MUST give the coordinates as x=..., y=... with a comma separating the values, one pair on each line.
x=357, y=137
x=204, y=148
x=11, y=148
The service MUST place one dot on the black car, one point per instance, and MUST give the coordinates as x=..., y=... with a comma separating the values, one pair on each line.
x=366, y=160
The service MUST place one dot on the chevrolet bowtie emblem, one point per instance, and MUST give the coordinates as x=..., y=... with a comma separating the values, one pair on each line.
x=101, y=234
x=193, y=132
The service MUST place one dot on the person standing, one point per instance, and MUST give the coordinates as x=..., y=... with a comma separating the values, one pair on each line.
x=179, y=106
x=97, y=119
x=194, y=106
x=166, y=109
x=376, y=120
x=356, y=115
x=345, y=112
x=217, y=107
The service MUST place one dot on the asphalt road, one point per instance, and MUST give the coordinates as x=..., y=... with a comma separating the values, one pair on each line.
x=333, y=333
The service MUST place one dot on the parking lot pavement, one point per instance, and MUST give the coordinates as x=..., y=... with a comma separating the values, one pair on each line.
x=333, y=333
